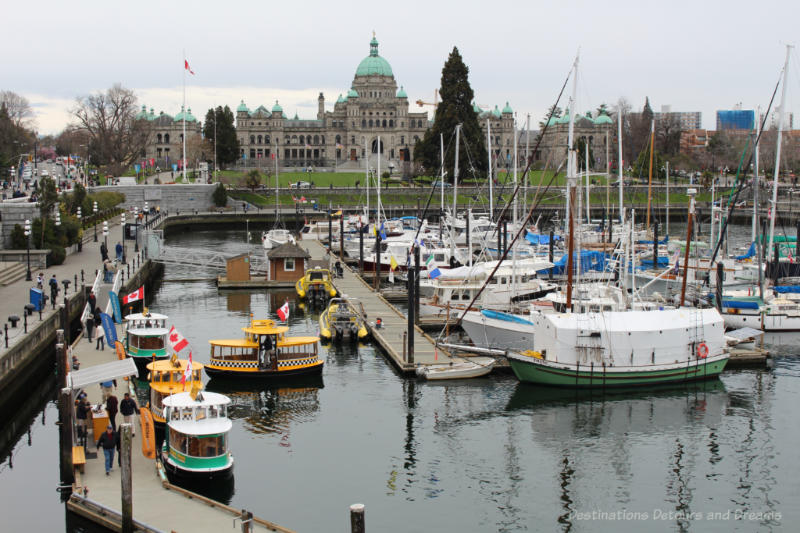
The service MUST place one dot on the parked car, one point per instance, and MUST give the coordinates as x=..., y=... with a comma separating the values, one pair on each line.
x=439, y=183
x=300, y=185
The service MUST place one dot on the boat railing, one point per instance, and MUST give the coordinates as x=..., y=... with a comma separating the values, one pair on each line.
x=98, y=279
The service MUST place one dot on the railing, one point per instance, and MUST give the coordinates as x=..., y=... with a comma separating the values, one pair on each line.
x=95, y=286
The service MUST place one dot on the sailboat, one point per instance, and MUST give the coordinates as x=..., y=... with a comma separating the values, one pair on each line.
x=278, y=235
x=596, y=348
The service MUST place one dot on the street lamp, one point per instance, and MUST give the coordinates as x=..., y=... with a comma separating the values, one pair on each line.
x=146, y=212
x=28, y=240
x=105, y=233
x=136, y=226
x=122, y=220
x=95, y=221
x=80, y=221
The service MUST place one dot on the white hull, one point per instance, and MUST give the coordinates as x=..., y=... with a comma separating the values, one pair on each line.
x=486, y=332
x=460, y=369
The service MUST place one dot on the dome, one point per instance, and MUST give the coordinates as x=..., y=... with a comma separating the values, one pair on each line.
x=373, y=64
x=341, y=99
x=352, y=93
x=553, y=121
x=507, y=109
x=277, y=108
x=603, y=119
x=142, y=114
x=496, y=112
x=564, y=119
x=402, y=93
x=242, y=107
x=477, y=109
x=187, y=116
x=152, y=115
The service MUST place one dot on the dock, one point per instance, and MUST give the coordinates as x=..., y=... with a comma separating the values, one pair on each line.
x=391, y=336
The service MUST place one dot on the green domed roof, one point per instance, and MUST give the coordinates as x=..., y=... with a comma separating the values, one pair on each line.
x=151, y=115
x=477, y=109
x=553, y=121
x=341, y=99
x=373, y=64
x=142, y=114
x=507, y=109
x=603, y=119
x=564, y=119
x=277, y=108
x=402, y=93
x=352, y=93
x=187, y=116
x=242, y=107
x=496, y=112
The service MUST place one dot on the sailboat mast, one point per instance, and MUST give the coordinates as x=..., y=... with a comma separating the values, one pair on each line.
x=441, y=180
x=782, y=110
x=755, y=177
x=619, y=161
x=514, y=215
x=571, y=183
x=650, y=177
x=378, y=188
x=489, y=144
x=527, y=159
x=656, y=266
x=366, y=177
x=588, y=202
x=455, y=198
x=607, y=216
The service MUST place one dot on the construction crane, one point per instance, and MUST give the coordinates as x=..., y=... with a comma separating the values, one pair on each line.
x=435, y=100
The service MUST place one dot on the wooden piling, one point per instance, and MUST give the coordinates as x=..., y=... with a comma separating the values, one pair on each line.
x=65, y=435
x=62, y=365
x=357, y=518
x=720, y=278
x=411, y=315
x=126, y=478
x=341, y=237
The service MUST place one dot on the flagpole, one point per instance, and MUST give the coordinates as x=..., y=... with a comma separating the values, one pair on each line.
x=183, y=110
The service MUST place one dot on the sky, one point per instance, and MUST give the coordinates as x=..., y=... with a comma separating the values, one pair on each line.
x=692, y=55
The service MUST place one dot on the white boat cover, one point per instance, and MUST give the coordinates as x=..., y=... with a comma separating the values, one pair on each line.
x=99, y=373
x=743, y=333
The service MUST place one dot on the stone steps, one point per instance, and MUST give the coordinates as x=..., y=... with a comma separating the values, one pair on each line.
x=12, y=273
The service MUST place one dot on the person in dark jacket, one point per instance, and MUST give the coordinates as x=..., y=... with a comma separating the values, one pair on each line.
x=108, y=440
x=82, y=414
x=98, y=330
x=128, y=407
x=103, y=252
x=112, y=407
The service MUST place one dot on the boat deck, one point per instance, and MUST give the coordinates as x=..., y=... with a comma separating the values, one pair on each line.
x=390, y=336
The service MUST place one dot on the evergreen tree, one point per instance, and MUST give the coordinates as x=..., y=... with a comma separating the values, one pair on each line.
x=454, y=108
x=225, y=132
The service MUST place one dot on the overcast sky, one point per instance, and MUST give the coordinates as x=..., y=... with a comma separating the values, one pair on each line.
x=693, y=55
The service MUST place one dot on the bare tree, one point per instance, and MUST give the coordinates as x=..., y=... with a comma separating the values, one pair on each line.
x=117, y=139
x=668, y=134
x=19, y=109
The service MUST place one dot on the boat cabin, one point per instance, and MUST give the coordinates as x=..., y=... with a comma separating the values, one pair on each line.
x=165, y=380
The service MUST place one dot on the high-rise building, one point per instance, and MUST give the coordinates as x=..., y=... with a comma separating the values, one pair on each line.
x=735, y=119
x=688, y=120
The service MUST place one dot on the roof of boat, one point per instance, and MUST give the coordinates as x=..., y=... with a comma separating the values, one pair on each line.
x=166, y=365
x=208, y=426
x=234, y=343
x=148, y=331
x=149, y=316
x=258, y=329
x=206, y=399
x=297, y=341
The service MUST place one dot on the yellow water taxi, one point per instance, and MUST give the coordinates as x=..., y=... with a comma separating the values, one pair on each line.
x=264, y=352
x=341, y=320
x=316, y=284
x=165, y=380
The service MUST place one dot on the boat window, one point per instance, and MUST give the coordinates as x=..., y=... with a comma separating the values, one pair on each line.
x=503, y=280
x=151, y=343
x=176, y=376
x=199, y=413
x=206, y=445
x=175, y=414
x=157, y=397
x=212, y=411
x=594, y=308
x=233, y=353
x=439, y=257
x=177, y=441
x=606, y=308
x=454, y=296
x=493, y=281
x=133, y=341
x=466, y=296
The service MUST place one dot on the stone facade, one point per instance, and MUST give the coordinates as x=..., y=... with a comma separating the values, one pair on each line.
x=13, y=213
x=165, y=144
x=174, y=198
x=597, y=132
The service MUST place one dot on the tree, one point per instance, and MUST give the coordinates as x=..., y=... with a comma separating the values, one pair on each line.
x=19, y=109
x=455, y=108
x=219, y=125
x=47, y=199
x=253, y=179
x=220, y=196
x=603, y=110
x=668, y=133
x=116, y=138
x=554, y=112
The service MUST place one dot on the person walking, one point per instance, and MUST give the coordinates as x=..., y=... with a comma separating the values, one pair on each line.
x=128, y=407
x=98, y=330
x=118, y=249
x=53, y=290
x=108, y=440
x=112, y=407
x=82, y=414
x=103, y=252
x=40, y=280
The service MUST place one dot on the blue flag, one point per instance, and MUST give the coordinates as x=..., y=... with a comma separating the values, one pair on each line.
x=435, y=273
x=383, y=233
x=109, y=328
x=174, y=167
x=112, y=296
x=137, y=168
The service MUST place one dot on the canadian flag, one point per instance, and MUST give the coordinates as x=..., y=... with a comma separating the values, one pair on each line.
x=176, y=340
x=188, y=372
x=186, y=66
x=283, y=312
x=136, y=295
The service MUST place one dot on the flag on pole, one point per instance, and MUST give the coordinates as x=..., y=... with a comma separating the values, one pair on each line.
x=391, y=275
x=338, y=213
x=283, y=312
x=187, y=374
x=392, y=262
x=435, y=273
x=186, y=66
x=176, y=341
x=429, y=260
x=136, y=295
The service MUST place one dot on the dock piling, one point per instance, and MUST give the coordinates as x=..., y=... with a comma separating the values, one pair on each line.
x=65, y=435
x=411, y=315
x=360, y=249
x=357, y=518
x=416, y=284
x=126, y=479
x=550, y=255
x=62, y=365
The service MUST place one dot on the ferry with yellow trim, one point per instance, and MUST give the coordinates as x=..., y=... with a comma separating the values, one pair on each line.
x=165, y=379
x=264, y=352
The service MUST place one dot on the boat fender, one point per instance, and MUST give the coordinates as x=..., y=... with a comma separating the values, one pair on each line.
x=702, y=350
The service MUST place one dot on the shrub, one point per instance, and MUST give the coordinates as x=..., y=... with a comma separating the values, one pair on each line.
x=18, y=239
x=57, y=255
x=220, y=196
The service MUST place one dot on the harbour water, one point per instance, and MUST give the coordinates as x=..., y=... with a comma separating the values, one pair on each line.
x=489, y=454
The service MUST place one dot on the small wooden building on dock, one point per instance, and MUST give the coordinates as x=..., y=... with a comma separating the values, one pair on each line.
x=287, y=262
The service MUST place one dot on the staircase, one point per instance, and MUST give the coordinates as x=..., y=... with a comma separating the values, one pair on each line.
x=11, y=272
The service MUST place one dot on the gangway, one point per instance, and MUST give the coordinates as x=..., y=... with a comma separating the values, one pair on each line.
x=157, y=251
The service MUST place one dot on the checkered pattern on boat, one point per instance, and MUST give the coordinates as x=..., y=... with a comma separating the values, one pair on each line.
x=253, y=364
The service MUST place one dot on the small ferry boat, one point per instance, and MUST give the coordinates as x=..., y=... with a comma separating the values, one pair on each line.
x=341, y=320
x=146, y=339
x=264, y=352
x=165, y=380
x=316, y=284
x=196, y=441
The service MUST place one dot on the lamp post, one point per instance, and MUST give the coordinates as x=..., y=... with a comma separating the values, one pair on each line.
x=105, y=233
x=80, y=221
x=28, y=276
x=136, y=225
x=122, y=220
x=95, y=222
x=146, y=212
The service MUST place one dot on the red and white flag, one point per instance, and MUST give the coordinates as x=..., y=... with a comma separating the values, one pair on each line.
x=176, y=340
x=283, y=312
x=135, y=296
x=188, y=372
x=186, y=66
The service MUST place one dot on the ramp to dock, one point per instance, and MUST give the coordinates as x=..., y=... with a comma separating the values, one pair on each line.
x=391, y=336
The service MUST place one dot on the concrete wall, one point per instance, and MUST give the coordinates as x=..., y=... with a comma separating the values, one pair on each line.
x=12, y=213
x=173, y=198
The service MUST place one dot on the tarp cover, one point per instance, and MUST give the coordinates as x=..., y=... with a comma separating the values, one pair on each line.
x=540, y=239
x=786, y=289
x=749, y=253
x=99, y=373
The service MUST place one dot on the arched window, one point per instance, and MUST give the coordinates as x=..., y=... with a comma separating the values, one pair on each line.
x=316, y=139
x=252, y=139
x=370, y=123
x=294, y=139
x=338, y=139
x=391, y=123
x=363, y=123
x=158, y=138
x=322, y=137
x=288, y=141
x=166, y=138
x=302, y=139
x=181, y=136
x=266, y=139
x=419, y=123
x=384, y=123
x=259, y=139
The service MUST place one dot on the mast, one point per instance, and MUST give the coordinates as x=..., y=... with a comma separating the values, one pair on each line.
x=774, y=209
x=571, y=183
x=588, y=202
x=183, y=115
x=514, y=214
x=527, y=159
x=607, y=216
x=619, y=161
x=655, y=266
x=378, y=187
x=755, y=177
x=650, y=177
x=691, y=193
x=441, y=180
x=366, y=178
x=455, y=198
x=489, y=144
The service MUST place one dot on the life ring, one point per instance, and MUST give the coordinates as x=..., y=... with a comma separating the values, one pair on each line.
x=702, y=350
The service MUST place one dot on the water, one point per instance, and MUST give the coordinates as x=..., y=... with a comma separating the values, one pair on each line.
x=482, y=455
